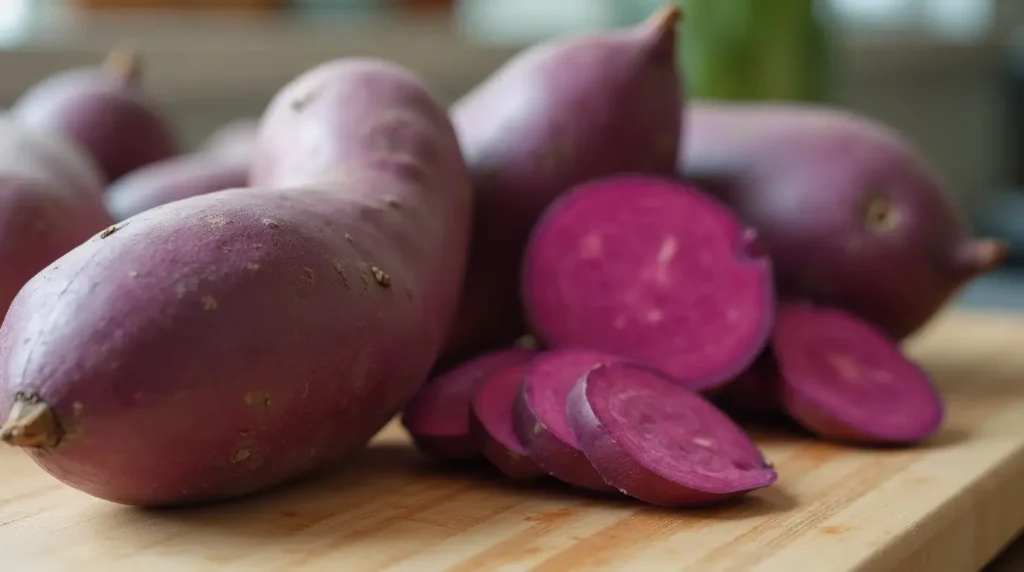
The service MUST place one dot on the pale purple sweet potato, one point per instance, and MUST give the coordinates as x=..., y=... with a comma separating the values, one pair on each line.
x=850, y=212
x=845, y=380
x=105, y=111
x=491, y=423
x=437, y=417
x=50, y=202
x=652, y=269
x=539, y=414
x=238, y=136
x=217, y=345
x=659, y=442
x=174, y=179
x=556, y=115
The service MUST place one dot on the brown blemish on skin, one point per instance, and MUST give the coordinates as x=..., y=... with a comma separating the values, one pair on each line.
x=339, y=267
x=217, y=220
x=133, y=274
x=109, y=231
x=880, y=215
x=209, y=303
x=241, y=454
x=270, y=223
x=31, y=423
x=254, y=266
x=393, y=202
x=309, y=275
x=254, y=398
x=380, y=276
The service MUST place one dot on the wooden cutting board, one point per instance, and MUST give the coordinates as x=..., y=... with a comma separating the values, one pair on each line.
x=947, y=507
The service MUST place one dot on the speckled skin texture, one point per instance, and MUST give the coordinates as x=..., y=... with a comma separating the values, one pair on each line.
x=215, y=346
x=556, y=115
x=50, y=202
x=107, y=115
x=805, y=177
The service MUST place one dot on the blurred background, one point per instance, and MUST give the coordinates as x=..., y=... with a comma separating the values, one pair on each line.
x=948, y=73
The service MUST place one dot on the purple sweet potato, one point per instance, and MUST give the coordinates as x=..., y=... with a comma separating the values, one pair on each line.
x=659, y=442
x=844, y=379
x=50, y=202
x=437, y=417
x=652, y=269
x=852, y=215
x=491, y=423
x=556, y=115
x=217, y=345
x=174, y=179
x=238, y=136
x=105, y=111
x=539, y=414
x=755, y=394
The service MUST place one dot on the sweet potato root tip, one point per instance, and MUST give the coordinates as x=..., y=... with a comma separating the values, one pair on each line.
x=124, y=62
x=31, y=424
x=986, y=255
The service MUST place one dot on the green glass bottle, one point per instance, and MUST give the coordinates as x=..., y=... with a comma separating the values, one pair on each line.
x=753, y=49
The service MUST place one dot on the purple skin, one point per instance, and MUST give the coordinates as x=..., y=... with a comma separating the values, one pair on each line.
x=850, y=213
x=219, y=345
x=175, y=179
x=659, y=442
x=239, y=136
x=539, y=415
x=491, y=423
x=845, y=380
x=437, y=417
x=49, y=203
x=654, y=270
x=556, y=115
x=105, y=112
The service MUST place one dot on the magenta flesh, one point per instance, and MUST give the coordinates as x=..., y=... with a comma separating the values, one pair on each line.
x=557, y=114
x=539, y=414
x=845, y=380
x=661, y=443
x=491, y=423
x=437, y=417
x=654, y=270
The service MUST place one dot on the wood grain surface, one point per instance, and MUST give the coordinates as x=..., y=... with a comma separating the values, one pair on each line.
x=948, y=507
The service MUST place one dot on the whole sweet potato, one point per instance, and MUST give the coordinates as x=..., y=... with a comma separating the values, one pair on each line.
x=227, y=342
x=105, y=111
x=852, y=215
x=558, y=114
x=50, y=202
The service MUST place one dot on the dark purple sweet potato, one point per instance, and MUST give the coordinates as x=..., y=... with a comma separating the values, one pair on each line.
x=659, y=442
x=175, y=179
x=558, y=114
x=50, y=202
x=437, y=417
x=218, y=345
x=539, y=414
x=491, y=423
x=850, y=213
x=755, y=394
x=104, y=111
x=845, y=380
x=651, y=269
